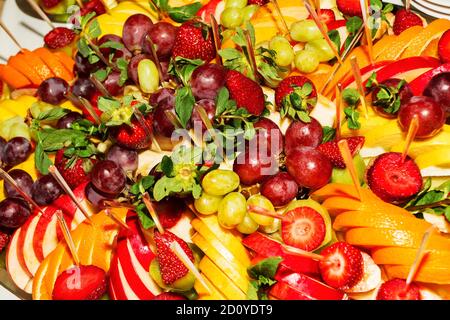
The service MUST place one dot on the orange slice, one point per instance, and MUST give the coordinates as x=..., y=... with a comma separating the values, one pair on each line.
x=38, y=65
x=396, y=47
x=53, y=63
x=13, y=77
x=434, y=30
x=67, y=61
x=382, y=45
x=337, y=205
x=424, y=274
x=372, y=237
x=406, y=256
x=431, y=50
x=19, y=63
x=39, y=290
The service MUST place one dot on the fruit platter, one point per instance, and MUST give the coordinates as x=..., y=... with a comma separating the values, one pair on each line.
x=227, y=150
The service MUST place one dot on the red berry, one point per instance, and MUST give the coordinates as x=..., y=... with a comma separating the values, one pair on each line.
x=48, y=4
x=396, y=289
x=331, y=150
x=134, y=136
x=392, y=179
x=93, y=6
x=258, y=2
x=246, y=92
x=405, y=19
x=303, y=228
x=4, y=240
x=349, y=7
x=169, y=296
x=444, y=47
x=59, y=38
x=326, y=16
x=194, y=40
x=170, y=266
x=342, y=266
x=75, y=171
x=80, y=283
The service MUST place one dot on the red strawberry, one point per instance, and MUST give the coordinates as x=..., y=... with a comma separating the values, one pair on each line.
x=75, y=171
x=303, y=228
x=342, y=266
x=395, y=289
x=336, y=24
x=392, y=179
x=48, y=4
x=331, y=150
x=194, y=40
x=4, y=240
x=134, y=136
x=326, y=16
x=59, y=38
x=169, y=296
x=405, y=19
x=296, y=96
x=444, y=47
x=247, y=93
x=80, y=283
x=258, y=2
x=349, y=7
x=171, y=267
x=93, y=6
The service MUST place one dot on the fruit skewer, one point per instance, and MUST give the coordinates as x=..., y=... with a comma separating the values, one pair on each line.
x=359, y=85
x=348, y=160
x=367, y=29
x=41, y=13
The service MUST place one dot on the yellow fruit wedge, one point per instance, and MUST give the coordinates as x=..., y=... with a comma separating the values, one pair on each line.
x=204, y=294
x=381, y=45
x=401, y=42
x=431, y=50
x=221, y=280
x=406, y=256
x=373, y=237
x=223, y=242
x=236, y=272
x=383, y=219
x=437, y=157
x=419, y=43
x=384, y=136
x=424, y=274
x=41, y=293
x=418, y=147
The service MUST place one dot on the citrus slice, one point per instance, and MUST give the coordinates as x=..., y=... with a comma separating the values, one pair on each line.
x=53, y=63
x=431, y=50
x=436, y=157
x=381, y=45
x=396, y=47
x=424, y=274
x=419, y=147
x=35, y=62
x=13, y=77
x=67, y=61
x=19, y=63
x=406, y=256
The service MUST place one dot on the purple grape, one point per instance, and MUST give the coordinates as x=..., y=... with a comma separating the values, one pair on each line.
x=2, y=145
x=117, y=53
x=254, y=166
x=161, y=123
x=280, y=189
x=266, y=130
x=45, y=190
x=207, y=80
x=160, y=95
x=95, y=197
x=66, y=121
x=53, y=90
x=439, y=89
x=13, y=213
x=84, y=68
x=112, y=84
x=134, y=30
x=133, y=66
x=163, y=36
x=16, y=151
x=23, y=180
x=127, y=159
x=83, y=87
x=108, y=177
x=300, y=134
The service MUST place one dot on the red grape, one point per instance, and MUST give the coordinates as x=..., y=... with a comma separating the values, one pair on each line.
x=266, y=130
x=127, y=159
x=16, y=151
x=23, y=180
x=83, y=67
x=309, y=167
x=108, y=177
x=207, y=80
x=53, y=90
x=160, y=95
x=163, y=36
x=13, y=212
x=111, y=84
x=134, y=30
x=280, y=189
x=66, y=121
x=83, y=87
x=133, y=66
x=95, y=197
x=45, y=190
x=117, y=53
x=161, y=123
x=439, y=89
x=254, y=165
x=302, y=134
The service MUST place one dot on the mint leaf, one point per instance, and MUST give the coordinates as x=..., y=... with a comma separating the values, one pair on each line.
x=184, y=13
x=52, y=114
x=108, y=105
x=328, y=134
x=351, y=96
x=184, y=104
x=430, y=197
x=352, y=116
x=101, y=74
x=447, y=213
x=266, y=268
x=335, y=37
x=167, y=166
x=145, y=220
x=94, y=30
x=41, y=159
x=222, y=101
x=372, y=80
x=111, y=44
x=353, y=24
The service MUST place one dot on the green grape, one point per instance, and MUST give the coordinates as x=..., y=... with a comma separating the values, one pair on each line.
x=277, y=40
x=232, y=210
x=148, y=76
x=249, y=11
x=239, y=4
x=261, y=201
x=231, y=18
x=274, y=227
x=220, y=182
x=19, y=130
x=247, y=226
x=284, y=53
x=306, y=61
x=305, y=30
x=320, y=49
x=7, y=125
x=207, y=203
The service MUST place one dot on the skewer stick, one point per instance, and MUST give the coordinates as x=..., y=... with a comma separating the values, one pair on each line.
x=100, y=87
x=412, y=131
x=408, y=5
x=68, y=237
x=338, y=110
x=40, y=12
x=421, y=252
x=367, y=30
x=155, y=59
x=265, y=212
x=348, y=160
x=217, y=44
x=179, y=252
x=80, y=3
x=300, y=252
x=280, y=14
x=319, y=24
x=251, y=54
x=85, y=103
x=11, y=35
x=153, y=214
x=62, y=182
x=140, y=117
x=110, y=213
x=359, y=85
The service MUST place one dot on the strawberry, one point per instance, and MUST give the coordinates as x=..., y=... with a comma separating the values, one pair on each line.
x=194, y=40
x=342, y=266
x=169, y=296
x=247, y=93
x=80, y=283
x=171, y=267
x=75, y=170
x=349, y=8
x=327, y=16
x=392, y=179
x=331, y=150
x=134, y=135
x=396, y=289
x=4, y=240
x=336, y=24
x=304, y=228
x=59, y=38
x=48, y=4
x=296, y=97
x=444, y=47
x=258, y=2
x=405, y=19
x=93, y=6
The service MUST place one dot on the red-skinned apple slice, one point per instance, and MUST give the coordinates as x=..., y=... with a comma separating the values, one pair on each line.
x=365, y=73
x=31, y=260
x=267, y=247
x=283, y=291
x=418, y=84
x=41, y=230
x=115, y=283
x=19, y=274
x=208, y=9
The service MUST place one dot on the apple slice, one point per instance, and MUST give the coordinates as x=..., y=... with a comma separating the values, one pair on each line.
x=20, y=275
x=366, y=72
x=267, y=247
x=31, y=260
x=418, y=84
x=116, y=291
x=283, y=291
x=42, y=229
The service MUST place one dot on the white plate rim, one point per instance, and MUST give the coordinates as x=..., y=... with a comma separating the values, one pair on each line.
x=432, y=6
x=429, y=11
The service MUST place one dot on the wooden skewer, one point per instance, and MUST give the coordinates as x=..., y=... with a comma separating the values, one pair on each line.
x=110, y=213
x=348, y=160
x=179, y=252
x=217, y=43
x=85, y=103
x=300, y=252
x=7, y=178
x=320, y=25
x=359, y=85
x=412, y=131
x=365, y=13
x=280, y=14
x=153, y=214
x=338, y=111
x=68, y=237
x=265, y=212
x=11, y=35
x=251, y=54
x=62, y=182
x=408, y=5
x=421, y=252
x=100, y=87
x=80, y=3
x=41, y=13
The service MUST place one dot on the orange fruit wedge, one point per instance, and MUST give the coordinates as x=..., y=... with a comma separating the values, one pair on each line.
x=424, y=274
x=406, y=256
x=431, y=50
x=337, y=205
x=38, y=65
x=13, y=77
x=382, y=45
x=53, y=63
x=418, y=44
x=401, y=42
x=67, y=61
x=19, y=63
x=374, y=237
